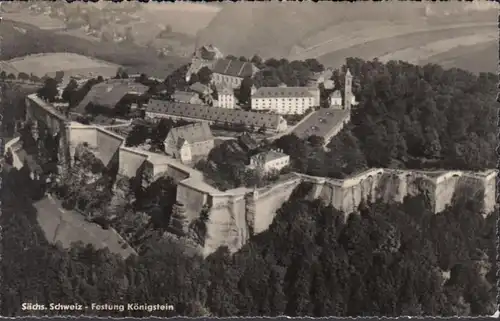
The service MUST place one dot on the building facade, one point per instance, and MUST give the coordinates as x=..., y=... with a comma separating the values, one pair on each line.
x=273, y=160
x=225, y=98
x=186, y=97
x=165, y=109
x=189, y=142
x=285, y=100
x=231, y=72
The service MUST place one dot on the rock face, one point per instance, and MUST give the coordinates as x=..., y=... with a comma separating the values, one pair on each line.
x=237, y=214
x=178, y=220
x=233, y=220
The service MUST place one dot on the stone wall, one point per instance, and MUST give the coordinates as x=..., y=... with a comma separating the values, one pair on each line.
x=108, y=144
x=130, y=162
x=233, y=219
x=235, y=215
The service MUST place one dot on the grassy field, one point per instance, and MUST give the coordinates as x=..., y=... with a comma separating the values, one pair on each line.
x=34, y=41
x=185, y=19
x=41, y=21
x=332, y=32
x=70, y=63
x=421, y=47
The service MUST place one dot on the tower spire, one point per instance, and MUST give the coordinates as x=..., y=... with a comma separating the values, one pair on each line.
x=348, y=96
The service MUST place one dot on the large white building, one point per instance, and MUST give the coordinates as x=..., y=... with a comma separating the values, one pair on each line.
x=285, y=100
x=269, y=161
x=225, y=98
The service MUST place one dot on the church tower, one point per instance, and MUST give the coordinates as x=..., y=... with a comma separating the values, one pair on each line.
x=348, y=96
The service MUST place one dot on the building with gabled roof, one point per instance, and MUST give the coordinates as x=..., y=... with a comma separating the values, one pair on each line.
x=109, y=93
x=247, y=142
x=231, y=72
x=285, y=100
x=200, y=88
x=269, y=161
x=188, y=142
x=186, y=97
x=165, y=109
x=225, y=97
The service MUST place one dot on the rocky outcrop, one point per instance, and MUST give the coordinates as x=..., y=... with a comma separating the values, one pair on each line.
x=258, y=207
x=235, y=215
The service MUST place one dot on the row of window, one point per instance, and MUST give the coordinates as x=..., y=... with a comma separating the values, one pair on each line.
x=227, y=79
x=273, y=99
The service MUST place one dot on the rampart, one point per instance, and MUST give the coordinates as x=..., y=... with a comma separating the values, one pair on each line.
x=237, y=214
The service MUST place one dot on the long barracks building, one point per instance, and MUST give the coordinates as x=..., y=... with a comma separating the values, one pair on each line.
x=166, y=109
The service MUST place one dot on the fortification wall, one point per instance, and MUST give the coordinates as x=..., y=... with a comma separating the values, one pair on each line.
x=227, y=225
x=269, y=200
x=193, y=200
x=79, y=135
x=176, y=173
x=108, y=144
x=129, y=162
x=237, y=214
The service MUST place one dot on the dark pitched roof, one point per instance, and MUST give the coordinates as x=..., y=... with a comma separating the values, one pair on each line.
x=235, y=68
x=192, y=133
x=247, y=141
x=268, y=92
x=220, y=115
x=184, y=96
x=110, y=92
x=200, y=88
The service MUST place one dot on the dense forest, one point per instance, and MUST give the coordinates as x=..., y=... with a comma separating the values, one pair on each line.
x=408, y=117
x=309, y=262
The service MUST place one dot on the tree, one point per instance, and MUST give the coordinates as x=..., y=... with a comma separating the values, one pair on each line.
x=3, y=75
x=161, y=131
x=243, y=58
x=137, y=135
x=11, y=76
x=316, y=141
x=245, y=91
x=205, y=75
x=314, y=65
x=69, y=92
x=23, y=76
x=257, y=60
x=49, y=90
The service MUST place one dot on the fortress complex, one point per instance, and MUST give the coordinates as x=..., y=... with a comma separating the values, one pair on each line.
x=237, y=214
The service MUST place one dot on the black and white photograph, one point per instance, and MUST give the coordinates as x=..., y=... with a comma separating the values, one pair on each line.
x=245, y=159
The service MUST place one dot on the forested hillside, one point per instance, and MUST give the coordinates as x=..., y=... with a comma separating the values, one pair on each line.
x=408, y=117
x=308, y=263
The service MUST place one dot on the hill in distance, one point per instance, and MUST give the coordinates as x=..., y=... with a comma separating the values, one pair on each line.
x=453, y=34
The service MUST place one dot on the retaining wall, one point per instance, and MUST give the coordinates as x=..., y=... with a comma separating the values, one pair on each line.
x=237, y=214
